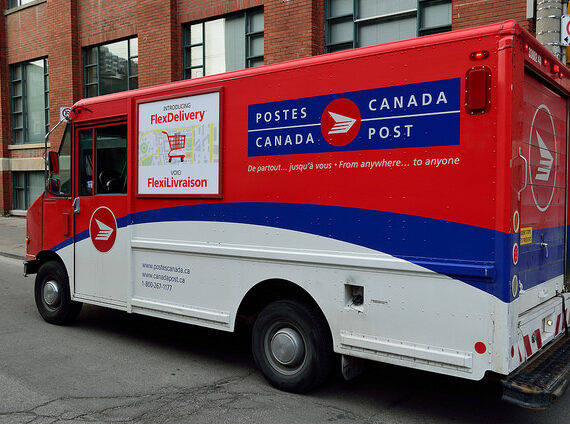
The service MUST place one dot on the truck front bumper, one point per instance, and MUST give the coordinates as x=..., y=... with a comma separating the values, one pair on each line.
x=31, y=267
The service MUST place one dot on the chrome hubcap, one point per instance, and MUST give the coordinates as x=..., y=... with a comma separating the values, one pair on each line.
x=51, y=294
x=287, y=347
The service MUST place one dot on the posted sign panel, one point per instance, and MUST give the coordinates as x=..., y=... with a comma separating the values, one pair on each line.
x=179, y=146
x=425, y=114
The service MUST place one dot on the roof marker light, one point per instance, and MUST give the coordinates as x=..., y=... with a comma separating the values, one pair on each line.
x=545, y=62
x=526, y=47
x=478, y=55
x=555, y=68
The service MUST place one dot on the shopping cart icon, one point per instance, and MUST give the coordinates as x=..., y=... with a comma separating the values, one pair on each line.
x=176, y=142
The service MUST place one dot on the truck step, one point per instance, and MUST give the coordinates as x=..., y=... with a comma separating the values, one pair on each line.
x=542, y=380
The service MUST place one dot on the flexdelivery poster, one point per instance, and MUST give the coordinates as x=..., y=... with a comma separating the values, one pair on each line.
x=179, y=146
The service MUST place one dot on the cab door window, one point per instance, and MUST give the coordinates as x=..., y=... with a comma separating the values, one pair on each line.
x=111, y=160
x=106, y=171
x=85, y=166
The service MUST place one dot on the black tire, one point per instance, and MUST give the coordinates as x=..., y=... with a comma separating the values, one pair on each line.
x=51, y=291
x=292, y=346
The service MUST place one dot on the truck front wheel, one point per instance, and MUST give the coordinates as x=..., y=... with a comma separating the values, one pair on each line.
x=292, y=346
x=52, y=294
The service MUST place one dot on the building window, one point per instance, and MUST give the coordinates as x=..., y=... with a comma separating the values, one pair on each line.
x=27, y=187
x=359, y=23
x=223, y=44
x=110, y=68
x=30, y=101
x=16, y=3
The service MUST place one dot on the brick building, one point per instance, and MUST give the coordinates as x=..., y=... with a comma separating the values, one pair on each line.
x=55, y=52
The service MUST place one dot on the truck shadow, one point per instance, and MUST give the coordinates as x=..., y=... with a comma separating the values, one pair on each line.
x=384, y=393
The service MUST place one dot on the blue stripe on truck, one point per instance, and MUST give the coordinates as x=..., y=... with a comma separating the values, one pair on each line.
x=463, y=252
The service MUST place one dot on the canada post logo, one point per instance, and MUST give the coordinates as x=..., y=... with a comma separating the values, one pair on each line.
x=542, y=158
x=340, y=122
x=103, y=229
x=413, y=115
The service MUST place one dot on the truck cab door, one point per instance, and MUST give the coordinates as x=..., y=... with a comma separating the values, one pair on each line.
x=57, y=225
x=101, y=242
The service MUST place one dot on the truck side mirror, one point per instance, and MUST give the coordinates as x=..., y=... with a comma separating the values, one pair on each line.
x=53, y=162
x=53, y=186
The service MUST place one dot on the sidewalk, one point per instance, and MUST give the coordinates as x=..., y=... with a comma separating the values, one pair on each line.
x=12, y=235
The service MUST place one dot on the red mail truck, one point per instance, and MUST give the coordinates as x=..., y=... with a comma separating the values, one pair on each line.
x=405, y=203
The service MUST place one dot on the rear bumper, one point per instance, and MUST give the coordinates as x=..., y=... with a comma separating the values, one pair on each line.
x=543, y=379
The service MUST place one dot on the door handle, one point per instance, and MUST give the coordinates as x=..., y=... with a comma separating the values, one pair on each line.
x=545, y=245
x=75, y=205
x=525, y=173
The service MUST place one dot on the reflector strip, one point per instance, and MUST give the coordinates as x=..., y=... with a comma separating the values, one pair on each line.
x=538, y=338
x=527, y=345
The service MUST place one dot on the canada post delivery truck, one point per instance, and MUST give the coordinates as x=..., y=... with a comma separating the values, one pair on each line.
x=404, y=203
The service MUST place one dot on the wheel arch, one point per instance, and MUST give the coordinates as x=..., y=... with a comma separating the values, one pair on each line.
x=271, y=290
x=43, y=257
x=49, y=255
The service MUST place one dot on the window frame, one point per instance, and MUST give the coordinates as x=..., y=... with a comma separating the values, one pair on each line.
x=97, y=66
x=92, y=128
x=66, y=143
x=25, y=189
x=358, y=22
x=24, y=102
x=17, y=189
x=249, y=35
x=12, y=4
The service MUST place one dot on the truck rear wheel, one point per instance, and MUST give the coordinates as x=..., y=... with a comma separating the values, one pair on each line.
x=292, y=346
x=52, y=294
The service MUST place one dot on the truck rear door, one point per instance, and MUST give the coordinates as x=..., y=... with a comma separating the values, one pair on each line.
x=542, y=201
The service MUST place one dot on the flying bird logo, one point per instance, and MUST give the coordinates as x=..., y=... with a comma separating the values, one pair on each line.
x=546, y=160
x=104, y=231
x=342, y=123
x=543, y=156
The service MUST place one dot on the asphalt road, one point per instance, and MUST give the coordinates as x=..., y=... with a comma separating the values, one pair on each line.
x=114, y=367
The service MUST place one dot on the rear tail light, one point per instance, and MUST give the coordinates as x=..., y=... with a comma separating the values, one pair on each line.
x=477, y=90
